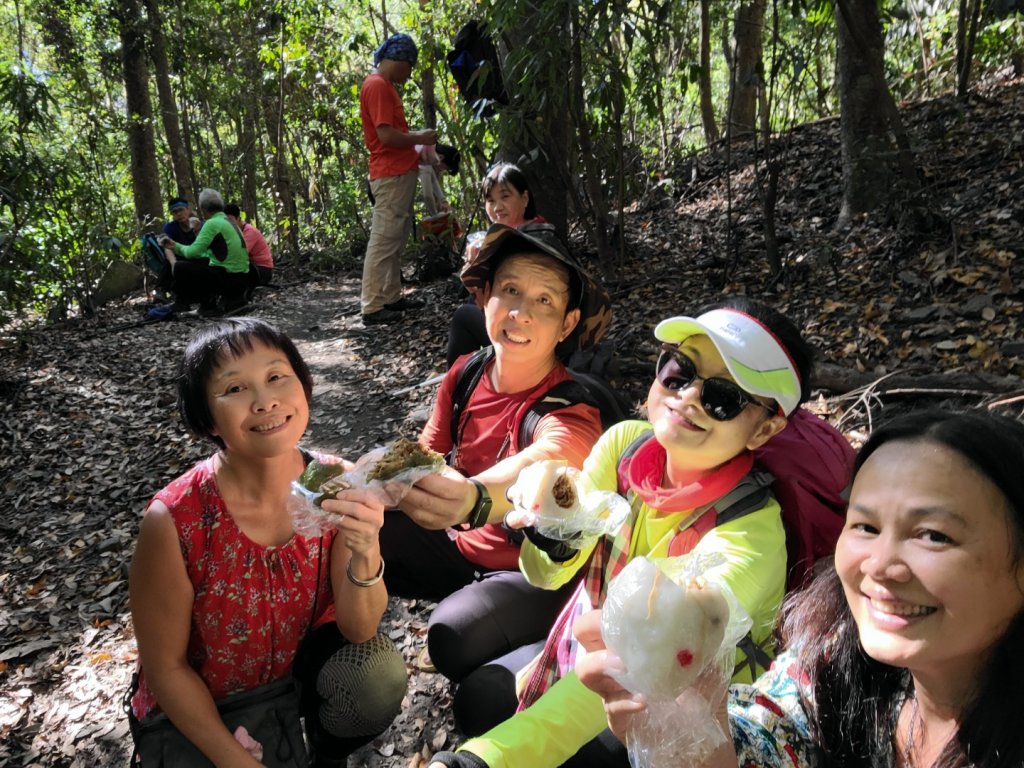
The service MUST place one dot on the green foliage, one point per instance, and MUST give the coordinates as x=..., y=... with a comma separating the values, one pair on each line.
x=1001, y=41
x=268, y=91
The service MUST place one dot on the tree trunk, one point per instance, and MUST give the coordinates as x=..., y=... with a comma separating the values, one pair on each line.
x=168, y=106
x=273, y=111
x=427, y=71
x=747, y=68
x=186, y=134
x=598, y=226
x=966, y=34
x=539, y=142
x=284, y=198
x=867, y=114
x=707, y=108
x=141, y=145
x=248, y=149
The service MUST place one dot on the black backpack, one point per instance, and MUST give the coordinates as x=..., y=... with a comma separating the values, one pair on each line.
x=154, y=258
x=473, y=62
x=582, y=388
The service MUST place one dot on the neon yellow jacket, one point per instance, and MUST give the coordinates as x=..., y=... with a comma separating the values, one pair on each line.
x=568, y=715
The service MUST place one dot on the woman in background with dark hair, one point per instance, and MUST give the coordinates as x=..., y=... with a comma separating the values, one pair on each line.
x=907, y=653
x=507, y=200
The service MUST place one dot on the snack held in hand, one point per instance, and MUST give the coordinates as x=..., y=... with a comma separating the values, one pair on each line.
x=324, y=480
x=402, y=455
x=546, y=490
x=551, y=496
x=664, y=633
x=388, y=472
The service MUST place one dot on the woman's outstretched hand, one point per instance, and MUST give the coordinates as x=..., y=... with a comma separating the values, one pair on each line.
x=440, y=500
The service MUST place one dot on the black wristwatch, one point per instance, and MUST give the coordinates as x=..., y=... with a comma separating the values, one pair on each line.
x=482, y=509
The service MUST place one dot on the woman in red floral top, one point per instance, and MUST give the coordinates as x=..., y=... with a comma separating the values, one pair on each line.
x=226, y=597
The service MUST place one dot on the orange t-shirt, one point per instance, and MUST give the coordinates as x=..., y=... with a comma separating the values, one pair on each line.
x=380, y=104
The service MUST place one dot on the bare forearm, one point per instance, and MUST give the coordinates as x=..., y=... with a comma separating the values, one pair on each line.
x=185, y=699
x=359, y=609
x=392, y=137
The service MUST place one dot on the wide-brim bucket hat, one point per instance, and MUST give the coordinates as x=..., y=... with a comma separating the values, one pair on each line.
x=593, y=301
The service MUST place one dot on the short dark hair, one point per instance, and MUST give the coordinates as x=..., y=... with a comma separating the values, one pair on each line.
x=232, y=209
x=506, y=173
x=208, y=348
x=784, y=329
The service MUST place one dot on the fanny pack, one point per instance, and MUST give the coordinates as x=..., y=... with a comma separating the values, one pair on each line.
x=269, y=713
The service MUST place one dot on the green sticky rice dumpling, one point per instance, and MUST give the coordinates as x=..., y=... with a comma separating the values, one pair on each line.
x=325, y=479
x=403, y=454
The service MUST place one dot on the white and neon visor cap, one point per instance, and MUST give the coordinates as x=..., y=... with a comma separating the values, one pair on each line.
x=756, y=359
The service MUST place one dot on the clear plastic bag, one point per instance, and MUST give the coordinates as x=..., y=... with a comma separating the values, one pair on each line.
x=551, y=497
x=310, y=519
x=676, y=632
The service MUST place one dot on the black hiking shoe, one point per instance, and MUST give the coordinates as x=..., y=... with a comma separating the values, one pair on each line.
x=403, y=304
x=382, y=316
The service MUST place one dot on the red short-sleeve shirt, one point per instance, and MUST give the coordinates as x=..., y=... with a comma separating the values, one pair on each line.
x=380, y=104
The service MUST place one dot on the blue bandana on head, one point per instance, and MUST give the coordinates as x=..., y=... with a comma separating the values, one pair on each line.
x=398, y=47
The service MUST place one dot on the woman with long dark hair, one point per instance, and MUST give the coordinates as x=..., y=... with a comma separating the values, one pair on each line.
x=906, y=653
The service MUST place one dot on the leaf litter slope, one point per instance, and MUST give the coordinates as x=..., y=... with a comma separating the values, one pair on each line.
x=88, y=429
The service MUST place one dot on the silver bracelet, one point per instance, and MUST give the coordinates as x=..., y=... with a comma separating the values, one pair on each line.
x=365, y=582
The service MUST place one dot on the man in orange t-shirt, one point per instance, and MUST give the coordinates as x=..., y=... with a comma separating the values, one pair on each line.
x=394, y=163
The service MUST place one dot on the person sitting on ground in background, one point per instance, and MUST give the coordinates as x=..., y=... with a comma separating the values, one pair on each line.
x=261, y=261
x=435, y=161
x=394, y=171
x=507, y=201
x=226, y=597
x=906, y=651
x=725, y=384
x=215, y=266
x=184, y=225
x=535, y=296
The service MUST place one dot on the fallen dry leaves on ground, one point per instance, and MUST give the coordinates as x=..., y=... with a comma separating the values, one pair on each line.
x=88, y=431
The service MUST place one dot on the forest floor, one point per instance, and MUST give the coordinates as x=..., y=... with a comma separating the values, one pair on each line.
x=917, y=306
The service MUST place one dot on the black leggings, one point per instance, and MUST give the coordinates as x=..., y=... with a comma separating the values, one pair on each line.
x=422, y=564
x=350, y=693
x=467, y=332
x=482, y=614
x=195, y=280
x=490, y=619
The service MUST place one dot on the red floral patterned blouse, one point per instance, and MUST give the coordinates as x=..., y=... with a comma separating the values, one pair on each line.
x=252, y=602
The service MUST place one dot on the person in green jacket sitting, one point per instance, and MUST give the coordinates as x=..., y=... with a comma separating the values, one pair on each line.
x=214, y=267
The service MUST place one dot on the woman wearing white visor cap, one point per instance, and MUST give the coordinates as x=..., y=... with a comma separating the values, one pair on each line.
x=727, y=381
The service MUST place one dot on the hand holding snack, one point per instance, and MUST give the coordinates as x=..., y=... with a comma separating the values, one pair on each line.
x=671, y=632
x=441, y=500
x=550, y=496
x=358, y=516
x=675, y=633
x=388, y=473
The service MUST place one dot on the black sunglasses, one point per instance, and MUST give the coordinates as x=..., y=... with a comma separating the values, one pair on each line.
x=722, y=399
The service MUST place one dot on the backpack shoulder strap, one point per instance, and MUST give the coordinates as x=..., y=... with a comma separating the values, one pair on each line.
x=561, y=395
x=750, y=495
x=631, y=449
x=465, y=382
